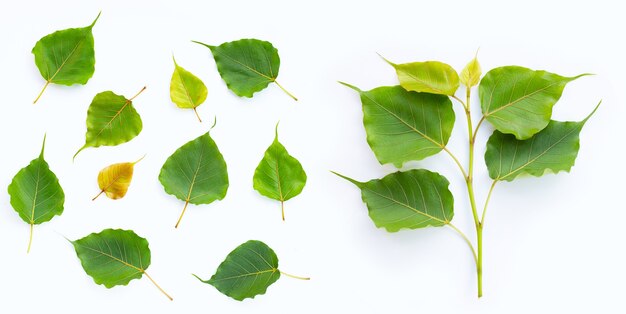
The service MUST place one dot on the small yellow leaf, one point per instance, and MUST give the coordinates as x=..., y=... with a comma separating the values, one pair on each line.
x=470, y=76
x=114, y=180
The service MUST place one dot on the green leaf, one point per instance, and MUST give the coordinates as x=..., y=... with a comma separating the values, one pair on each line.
x=66, y=57
x=247, y=65
x=187, y=90
x=432, y=77
x=111, y=120
x=412, y=199
x=195, y=173
x=114, y=257
x=403, y=126
x=36, y=194
x=554, y=149
x=518, y=100
x=247, y=271
x=279, y=175
x=470, y=76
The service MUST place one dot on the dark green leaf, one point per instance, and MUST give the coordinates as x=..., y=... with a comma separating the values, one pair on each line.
x=247, y=65
x=518, y=100
x=111, y=120
x=66, y=57
x=114, y=257
x=279, y=176
x=195, y=173
x=553, y=149
x=403, y=126
x=412, y=199
x=36, y=194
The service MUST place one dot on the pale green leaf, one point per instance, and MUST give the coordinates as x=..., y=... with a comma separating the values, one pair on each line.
x=470, y=76
x=403, y=126
x=187, y=90
x=427, y=77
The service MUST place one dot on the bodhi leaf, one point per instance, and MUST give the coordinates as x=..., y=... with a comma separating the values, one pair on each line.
x=247, y=271
x=66, y=57
x=187, y=90
x=36, y=194
x=470, y=76
x=195, y=173
x=114, y=180
x=554, y=149
x=403, y=126
x=412, y=199
x=114, y=257
x=279, y=175
x=111, y=120
x=518, y=100
x=432, y=77
x=247, y=65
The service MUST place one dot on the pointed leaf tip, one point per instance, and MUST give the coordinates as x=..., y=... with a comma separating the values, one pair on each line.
x=43, y=146
x=276, y=131
x=593, y=111
x=350, y=86
x=94, y=21
x=202, y=280
x=355, y=182
x=386, y=60
x=203, y=44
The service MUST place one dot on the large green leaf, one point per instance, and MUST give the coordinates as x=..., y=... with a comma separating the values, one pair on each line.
x=187, y=90
x=412, y=199
x=247, y=271
x=36, y=194
x=111, y=120
x=518, y=100
x=114, y=257
x=195, y=173
x=279, y=175
x=66, y=57
x=432, y=77
x=247, y=65
x=553, y=149
x=403, y=126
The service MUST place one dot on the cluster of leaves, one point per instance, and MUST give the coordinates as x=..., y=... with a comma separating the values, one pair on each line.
x=414, y=120
x=195, y=173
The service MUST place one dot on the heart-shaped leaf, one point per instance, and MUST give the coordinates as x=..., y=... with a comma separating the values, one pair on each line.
x=111, y=120
x=412, y=199
x=66, y=57
x=470, y=76
x=432, y=77
x=554, y=149
x=518, y=100
x=247, y=65
x=114, y=180
x=404, y=126
x=36, y=194
x=114, y=257
x=187, y=90
x=279, y=175
x=247, y=271
x=195, y=173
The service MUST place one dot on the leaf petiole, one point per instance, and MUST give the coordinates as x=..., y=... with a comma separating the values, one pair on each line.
x=41, y=93
x=30, y=240
x=293, y=276
x=286, y=92
x=181, y=214
x=158, y=287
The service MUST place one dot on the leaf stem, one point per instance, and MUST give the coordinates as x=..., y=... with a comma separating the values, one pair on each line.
x=181, y=214
x=282, y=209
x=286, y=92
x=293, y=276
x=138, y=93
x=159, y=287
x=477, y=128
x=493, y=185
x=197, y=115
x=469, y=243
x=465, y=104
x=30, y=239
x=41, y=93
x=456, y=160
x=101, y=191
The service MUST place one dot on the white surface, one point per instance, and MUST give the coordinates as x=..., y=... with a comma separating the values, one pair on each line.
x=554, y=244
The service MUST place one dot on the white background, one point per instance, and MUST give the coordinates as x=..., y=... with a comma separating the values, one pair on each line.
x=553, y=244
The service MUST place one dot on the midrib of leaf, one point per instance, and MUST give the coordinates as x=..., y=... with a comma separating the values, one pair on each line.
x=273, y=270
x=530, y=161
x=141, y=270
x=426, y=84
x=410, y=207
x=271, y=79
x=118, y=113
x=440, y=145
x=185, y=88
x=71, y=54
x=511, y=103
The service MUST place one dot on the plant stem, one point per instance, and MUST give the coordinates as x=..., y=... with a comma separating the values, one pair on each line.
x=159, y=287
x=293, y=276
x=479, y=263
x=41, y=93
x=181, y=214
x=30, y=239
x=197, y=115
x=286, y=92
x=93, y=199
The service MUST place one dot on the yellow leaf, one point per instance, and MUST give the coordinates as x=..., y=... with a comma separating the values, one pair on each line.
x=470, y=76
x=114, y=180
